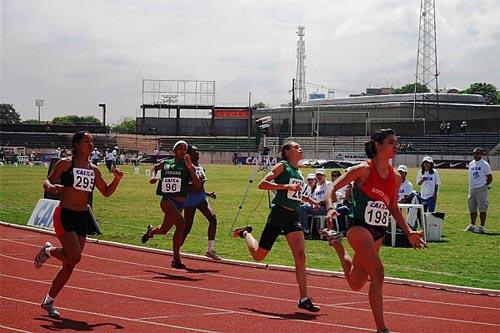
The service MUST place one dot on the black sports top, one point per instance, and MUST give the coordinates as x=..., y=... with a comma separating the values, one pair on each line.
x=83, y=181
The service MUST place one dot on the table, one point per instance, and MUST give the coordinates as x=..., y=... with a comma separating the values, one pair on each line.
x=401, y=206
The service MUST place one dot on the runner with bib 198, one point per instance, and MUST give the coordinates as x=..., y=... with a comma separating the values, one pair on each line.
x=374, y=200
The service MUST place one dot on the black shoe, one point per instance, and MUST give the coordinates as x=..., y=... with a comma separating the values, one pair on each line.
x=308, y=305
x=176, y=263
x=239, y=232
x=146, y=235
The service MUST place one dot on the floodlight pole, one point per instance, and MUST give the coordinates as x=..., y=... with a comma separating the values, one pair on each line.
x=39, y=103
x=249, y=125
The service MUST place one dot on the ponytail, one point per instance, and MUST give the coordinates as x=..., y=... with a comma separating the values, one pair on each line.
x=378, y=136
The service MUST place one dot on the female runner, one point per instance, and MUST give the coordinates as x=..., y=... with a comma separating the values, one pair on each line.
x=374, y=199
x=284, y=217
x=72, y=220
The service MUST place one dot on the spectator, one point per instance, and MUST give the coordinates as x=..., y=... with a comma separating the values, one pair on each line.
x=2, y=155
x=109, y=158
x=318, y=199
x=235, y=158
x=94, y=156
x=463, y=126
x=58, y=152
x=406, y=188
x=480, y=177
x=442, y=127
x=32, y=157
x=429, y=181
x=448, y=127
x=63, y=153
x=305, y=206
x=156, y=152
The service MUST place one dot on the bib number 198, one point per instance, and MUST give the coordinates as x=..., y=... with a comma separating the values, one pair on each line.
x=377, y=214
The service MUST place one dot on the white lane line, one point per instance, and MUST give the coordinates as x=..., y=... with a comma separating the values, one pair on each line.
x=251, y=295
x=14, y=329
x=386, y=297
x=146, y=299
x=190, y=316
x=111, y=316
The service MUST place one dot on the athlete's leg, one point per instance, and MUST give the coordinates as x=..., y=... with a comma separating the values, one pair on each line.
x=209, y=214
x=189, y=213
x=70, y=254
x=366, y=251
x=295, y=241
x=173, y=217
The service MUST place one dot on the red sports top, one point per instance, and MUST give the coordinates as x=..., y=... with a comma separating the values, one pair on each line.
x=379, y=188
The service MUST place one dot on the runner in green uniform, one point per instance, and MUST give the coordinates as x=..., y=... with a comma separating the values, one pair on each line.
x=176, y=174
x=284, y=217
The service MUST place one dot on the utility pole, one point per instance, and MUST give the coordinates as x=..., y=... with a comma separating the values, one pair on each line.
x=103, y=106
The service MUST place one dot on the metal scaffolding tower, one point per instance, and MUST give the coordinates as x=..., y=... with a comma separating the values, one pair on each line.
x=427, y=64
x=300, y=87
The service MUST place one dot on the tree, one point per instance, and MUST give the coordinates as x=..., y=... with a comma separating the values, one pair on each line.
x=75, y=120
x=33, y=122
x=259, y=105
x=410, y=89
x=126, y=125
x=487, y=90
x=8, y=114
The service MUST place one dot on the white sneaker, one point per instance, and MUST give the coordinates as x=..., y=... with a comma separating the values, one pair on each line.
x=480, y=230
x=471, y=227
x=42, y=257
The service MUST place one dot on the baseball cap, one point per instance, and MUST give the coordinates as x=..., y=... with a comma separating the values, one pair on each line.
x=427, y=159
x=320, y=171
x=403, y=168
x=311, y=176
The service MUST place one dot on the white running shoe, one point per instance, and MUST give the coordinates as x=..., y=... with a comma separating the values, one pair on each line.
x=480, y=230
x=51, y=310
x=42, y=256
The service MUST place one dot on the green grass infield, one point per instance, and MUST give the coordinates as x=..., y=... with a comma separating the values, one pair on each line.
x=461, y=258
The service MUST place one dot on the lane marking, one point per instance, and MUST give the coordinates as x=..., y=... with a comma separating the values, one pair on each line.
x=14, y=329
x=111, y=316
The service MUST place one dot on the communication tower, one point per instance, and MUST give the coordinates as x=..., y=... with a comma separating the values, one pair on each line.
x=300, y=87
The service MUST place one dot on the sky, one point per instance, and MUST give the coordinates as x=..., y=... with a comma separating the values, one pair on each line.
x=78, y=54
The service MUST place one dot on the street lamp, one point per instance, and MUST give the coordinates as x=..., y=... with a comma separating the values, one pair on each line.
x=39, y=103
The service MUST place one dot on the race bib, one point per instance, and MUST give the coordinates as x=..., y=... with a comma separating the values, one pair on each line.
x=377, y=214
x=171, y=185
x=83, y=179
x=297, y=196
x=200, y=173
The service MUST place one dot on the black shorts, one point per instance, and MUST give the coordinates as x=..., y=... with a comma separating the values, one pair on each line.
x=279, y=220
x=70, y=220
x=376, y=232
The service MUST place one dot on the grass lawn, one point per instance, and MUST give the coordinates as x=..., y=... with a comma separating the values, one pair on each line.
x=461, y=258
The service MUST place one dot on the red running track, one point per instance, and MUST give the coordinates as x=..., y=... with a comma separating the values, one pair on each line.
x=115, y=289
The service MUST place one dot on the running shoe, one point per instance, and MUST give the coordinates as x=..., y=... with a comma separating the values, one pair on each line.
x=51, y=310
x=147, y=234
x=471, y=227
x=385, y=330
x=42, y=257
x=308, y=305
x=239, y=232
x=176, y=263
x=213, y=255
x=331, y=235
x=480, y=230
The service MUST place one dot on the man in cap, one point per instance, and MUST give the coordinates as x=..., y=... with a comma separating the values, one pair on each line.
x=480, y=178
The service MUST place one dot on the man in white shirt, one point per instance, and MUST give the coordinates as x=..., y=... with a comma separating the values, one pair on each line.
x=406, y=188
x=480, y=178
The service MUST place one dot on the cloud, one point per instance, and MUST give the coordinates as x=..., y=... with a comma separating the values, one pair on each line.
x=77, y=54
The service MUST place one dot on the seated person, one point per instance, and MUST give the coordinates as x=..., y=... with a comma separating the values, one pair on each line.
x=306, y=195
x=317, y=200
x=405, y=194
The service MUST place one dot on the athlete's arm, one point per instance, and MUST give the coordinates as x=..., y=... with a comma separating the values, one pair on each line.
x=101, y=185
x=154, y=170
x=59, y=168
x=267, y=184
x=197, y=183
